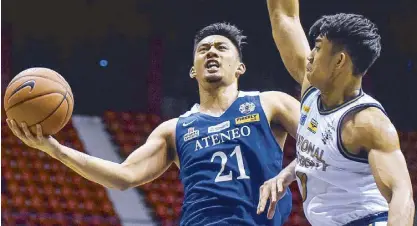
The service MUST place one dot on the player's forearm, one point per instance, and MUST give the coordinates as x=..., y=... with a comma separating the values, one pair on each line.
x=106, y=173
x=289, y=172
x=401, y=208
x=288, y=8
x=289, y=36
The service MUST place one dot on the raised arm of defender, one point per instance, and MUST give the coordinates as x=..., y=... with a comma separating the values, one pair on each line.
x=290, y=38
x=144, y=164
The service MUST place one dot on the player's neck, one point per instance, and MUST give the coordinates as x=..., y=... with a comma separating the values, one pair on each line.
x=340, y=94
x=217, y=101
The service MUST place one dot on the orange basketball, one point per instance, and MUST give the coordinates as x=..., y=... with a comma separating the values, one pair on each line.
x=39, y=96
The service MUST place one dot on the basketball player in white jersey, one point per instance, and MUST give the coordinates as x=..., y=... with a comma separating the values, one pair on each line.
x=349, y=167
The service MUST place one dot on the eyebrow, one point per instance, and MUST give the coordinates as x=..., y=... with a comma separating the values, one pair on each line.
x=209, y=43
x=318, y=40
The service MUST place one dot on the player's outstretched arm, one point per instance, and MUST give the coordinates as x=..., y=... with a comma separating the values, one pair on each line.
x=144, y=164
x=374, y=131
x=290, y=38
x=275, y=188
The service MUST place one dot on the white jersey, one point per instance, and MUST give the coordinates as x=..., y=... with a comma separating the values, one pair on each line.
x=337, y=187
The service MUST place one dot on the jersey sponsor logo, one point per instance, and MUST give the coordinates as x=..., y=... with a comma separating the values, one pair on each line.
x=312, y=126
x=191, y=133
x=247, y=119
x=247, y=108
x=185, y=124
x=222, y=137
x=310, y=155
x=303, y=119
x=219, y=127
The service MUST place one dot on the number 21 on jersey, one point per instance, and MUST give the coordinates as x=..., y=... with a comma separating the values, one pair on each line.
x=228, y=177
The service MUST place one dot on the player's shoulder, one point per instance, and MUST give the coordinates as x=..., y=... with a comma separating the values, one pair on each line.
x=167, y=127
x=275, y=95
x=277, y=99
x=371, y=127
x=368, y=120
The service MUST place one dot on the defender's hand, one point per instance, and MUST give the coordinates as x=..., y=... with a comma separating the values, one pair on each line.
x=38, y=141
x=273, y=189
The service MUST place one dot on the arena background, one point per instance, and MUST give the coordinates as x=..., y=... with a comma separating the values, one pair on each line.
x=128, y=62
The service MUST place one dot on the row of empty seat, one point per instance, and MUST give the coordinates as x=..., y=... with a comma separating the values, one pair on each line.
x=39, y=190
x=165, y=194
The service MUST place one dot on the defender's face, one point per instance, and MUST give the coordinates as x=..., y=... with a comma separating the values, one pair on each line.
x=216, y=59
x=321, y=63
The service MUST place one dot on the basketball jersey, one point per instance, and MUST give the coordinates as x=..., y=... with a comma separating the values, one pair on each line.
x=337, y=187
x=223, y=163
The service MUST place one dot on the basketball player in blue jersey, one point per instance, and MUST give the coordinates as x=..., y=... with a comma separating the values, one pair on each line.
x=349, y=167
x=224, y=146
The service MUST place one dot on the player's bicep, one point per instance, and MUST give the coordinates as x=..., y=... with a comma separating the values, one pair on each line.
x=151, y=159
x=389, y=170
x=386, y=160
x=284, y=110
x=292, y=44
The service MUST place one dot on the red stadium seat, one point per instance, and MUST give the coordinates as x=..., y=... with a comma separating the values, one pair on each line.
x=36, y=183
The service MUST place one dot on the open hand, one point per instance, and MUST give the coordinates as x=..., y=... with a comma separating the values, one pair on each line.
x=273, y=189
x=38, y=141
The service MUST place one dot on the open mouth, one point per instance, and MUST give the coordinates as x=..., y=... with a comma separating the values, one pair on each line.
x=212, y=65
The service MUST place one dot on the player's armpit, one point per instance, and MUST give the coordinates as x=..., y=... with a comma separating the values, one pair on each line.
x=379, y=136
x=282, y=109
x=290, y=38
x=155, y=156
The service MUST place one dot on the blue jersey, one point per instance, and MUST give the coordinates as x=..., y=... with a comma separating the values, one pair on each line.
x=224, y=161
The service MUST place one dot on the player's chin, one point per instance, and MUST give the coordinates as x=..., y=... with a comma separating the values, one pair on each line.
x=213, y=77
x=311, y=77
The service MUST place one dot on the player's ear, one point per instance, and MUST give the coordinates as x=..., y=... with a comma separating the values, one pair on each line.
x=192, y=72
x=241, y=69
x=341, y=60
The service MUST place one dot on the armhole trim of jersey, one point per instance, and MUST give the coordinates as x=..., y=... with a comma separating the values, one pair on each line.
x=271, y=133
x=307, y=93
x=176, y=137
x=363, y=155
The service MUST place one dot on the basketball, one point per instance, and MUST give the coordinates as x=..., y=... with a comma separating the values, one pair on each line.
x=39, y=96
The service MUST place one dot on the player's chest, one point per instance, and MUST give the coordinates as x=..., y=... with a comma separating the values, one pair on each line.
x=209, y=134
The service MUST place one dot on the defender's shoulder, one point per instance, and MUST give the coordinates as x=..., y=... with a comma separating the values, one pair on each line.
x=372, y=128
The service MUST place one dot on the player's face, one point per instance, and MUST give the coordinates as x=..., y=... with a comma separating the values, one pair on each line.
x=216, y=60
x=322, y=62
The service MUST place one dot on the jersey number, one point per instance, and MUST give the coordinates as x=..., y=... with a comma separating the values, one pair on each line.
x=303, y=180
x=223, y=156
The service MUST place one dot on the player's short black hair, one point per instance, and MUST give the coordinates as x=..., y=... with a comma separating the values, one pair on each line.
x=355, y=33
x=224, y=29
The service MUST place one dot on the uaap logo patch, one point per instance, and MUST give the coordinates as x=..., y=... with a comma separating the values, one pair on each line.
x=192, y=133
x=247, y=108
x=312, y=126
